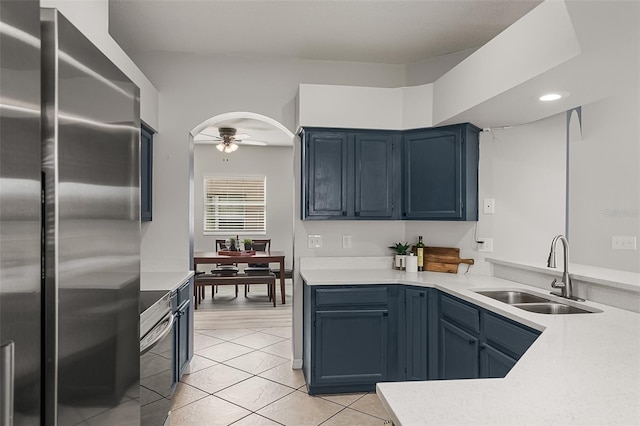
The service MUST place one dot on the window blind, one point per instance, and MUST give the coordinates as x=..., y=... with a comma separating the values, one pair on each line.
x=235, y=205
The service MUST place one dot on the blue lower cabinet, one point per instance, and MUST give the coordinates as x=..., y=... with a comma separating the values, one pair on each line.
x=494, y=363
x=351, y=347
x=356, y=336
x=475, y=343
x=182, y=329
x=416, y=334
x=458, y=353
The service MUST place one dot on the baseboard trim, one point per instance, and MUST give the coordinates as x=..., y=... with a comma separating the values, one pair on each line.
x=296, y=364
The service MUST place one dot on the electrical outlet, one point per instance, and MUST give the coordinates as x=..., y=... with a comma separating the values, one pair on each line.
x=488, y=206
x=623, y=242
x=346, y=241
x=314, y=241
x=486, y=245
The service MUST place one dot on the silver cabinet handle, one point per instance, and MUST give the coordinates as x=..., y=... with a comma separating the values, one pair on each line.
x=7, y=364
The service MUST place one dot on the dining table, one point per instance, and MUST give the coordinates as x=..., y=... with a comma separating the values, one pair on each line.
x=223, y=258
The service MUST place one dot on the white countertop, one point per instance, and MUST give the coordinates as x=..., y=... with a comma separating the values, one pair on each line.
x=583, y=369
x=163, y=280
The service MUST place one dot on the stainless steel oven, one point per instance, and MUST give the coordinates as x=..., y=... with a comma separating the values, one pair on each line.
x=156, y=357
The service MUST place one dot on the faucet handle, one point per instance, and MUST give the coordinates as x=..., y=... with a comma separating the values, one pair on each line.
x=558, y=284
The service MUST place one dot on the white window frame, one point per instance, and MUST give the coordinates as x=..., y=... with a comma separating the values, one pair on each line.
x=211, y=207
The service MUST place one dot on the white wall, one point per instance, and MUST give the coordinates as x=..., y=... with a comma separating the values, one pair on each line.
x=523, y=169
x=194, y=88
x=276, y=163
x=604, y=174
x=92, y=19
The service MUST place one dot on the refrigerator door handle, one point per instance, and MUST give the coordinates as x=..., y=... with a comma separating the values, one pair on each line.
x=7, y=363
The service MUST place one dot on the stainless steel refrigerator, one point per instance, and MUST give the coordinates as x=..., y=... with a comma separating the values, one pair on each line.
x=69, y=226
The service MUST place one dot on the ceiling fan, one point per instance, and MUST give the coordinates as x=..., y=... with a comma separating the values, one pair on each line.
x=228, y=139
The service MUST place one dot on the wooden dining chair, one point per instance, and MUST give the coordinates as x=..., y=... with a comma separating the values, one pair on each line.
x=257, y=268
x=222, y=245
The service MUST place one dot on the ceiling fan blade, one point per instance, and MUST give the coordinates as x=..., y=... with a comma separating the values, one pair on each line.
x=256, y=143
x=204, y=137
x=212, y=134
x=241, y=136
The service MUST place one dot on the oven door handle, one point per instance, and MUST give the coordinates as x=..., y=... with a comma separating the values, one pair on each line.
x=7, y=367
x=152, y=339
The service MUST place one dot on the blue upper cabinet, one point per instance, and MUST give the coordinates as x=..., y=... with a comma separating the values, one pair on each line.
x=325, y=156
x=146, y=173
x=375, y=175
x=440, y=173
x=349, y=174
x=427, y=174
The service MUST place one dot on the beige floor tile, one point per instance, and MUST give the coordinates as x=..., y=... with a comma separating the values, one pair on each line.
x=185, y=394
x=210, y=411
x=198, y=363
x=256, y=362
x=255, y=420
x=254, y=393
x=278, y=331
x=282, y=349
x=285, y=375
x=257, y=340
x=216, y=378
x=298, y=409
x=345, y=399
x=201, y=341
x=370, y=404
x=228, y=333
x=349, y=417
x=223, y=351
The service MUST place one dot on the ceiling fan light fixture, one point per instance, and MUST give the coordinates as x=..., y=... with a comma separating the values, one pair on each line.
x=227, y=147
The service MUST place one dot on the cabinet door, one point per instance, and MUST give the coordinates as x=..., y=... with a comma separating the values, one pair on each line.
x=350, y=347
x=458, y=353
x=182, y=351
x=494, y=363
x=416, y=334
x=326, y=174
x=146, y=174
x=432, y=163
x=374, y=175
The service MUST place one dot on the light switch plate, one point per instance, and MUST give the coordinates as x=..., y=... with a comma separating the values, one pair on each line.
x=489, y=205
x=346, y=241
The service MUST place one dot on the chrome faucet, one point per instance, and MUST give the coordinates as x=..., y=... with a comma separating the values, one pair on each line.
x=565, y=286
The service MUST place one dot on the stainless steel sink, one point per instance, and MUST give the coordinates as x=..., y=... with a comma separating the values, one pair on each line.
x=514, y=297
x=536, y=303
x=553, y=308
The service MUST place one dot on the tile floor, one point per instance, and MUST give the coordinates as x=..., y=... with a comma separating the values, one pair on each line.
x=241, y=372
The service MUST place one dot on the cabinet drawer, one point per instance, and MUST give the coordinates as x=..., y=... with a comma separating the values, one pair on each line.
x=460, y=313
x=351, y=296
x=506, y=335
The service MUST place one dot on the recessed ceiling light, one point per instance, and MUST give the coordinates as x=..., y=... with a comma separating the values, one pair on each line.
x=550, y=97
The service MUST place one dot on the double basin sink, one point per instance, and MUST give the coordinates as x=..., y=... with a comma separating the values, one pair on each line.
x=536, y=303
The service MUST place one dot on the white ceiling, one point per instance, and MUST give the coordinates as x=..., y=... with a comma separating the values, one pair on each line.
x=390, y=31
x=373, y=31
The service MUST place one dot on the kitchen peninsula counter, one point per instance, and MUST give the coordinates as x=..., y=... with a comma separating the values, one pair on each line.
x=168, y=281
x=582, y=369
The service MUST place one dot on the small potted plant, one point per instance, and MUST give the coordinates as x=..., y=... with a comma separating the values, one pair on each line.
x=401, y=252
x=233, y=244
x=247, y=243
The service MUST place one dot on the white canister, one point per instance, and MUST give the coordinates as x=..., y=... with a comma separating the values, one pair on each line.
x=411, y=263
x=400, y=262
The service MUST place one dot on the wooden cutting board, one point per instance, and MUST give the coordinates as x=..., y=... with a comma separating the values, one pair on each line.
x=443, y=259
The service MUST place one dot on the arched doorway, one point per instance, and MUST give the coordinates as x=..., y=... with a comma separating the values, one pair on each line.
x=274, y=159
